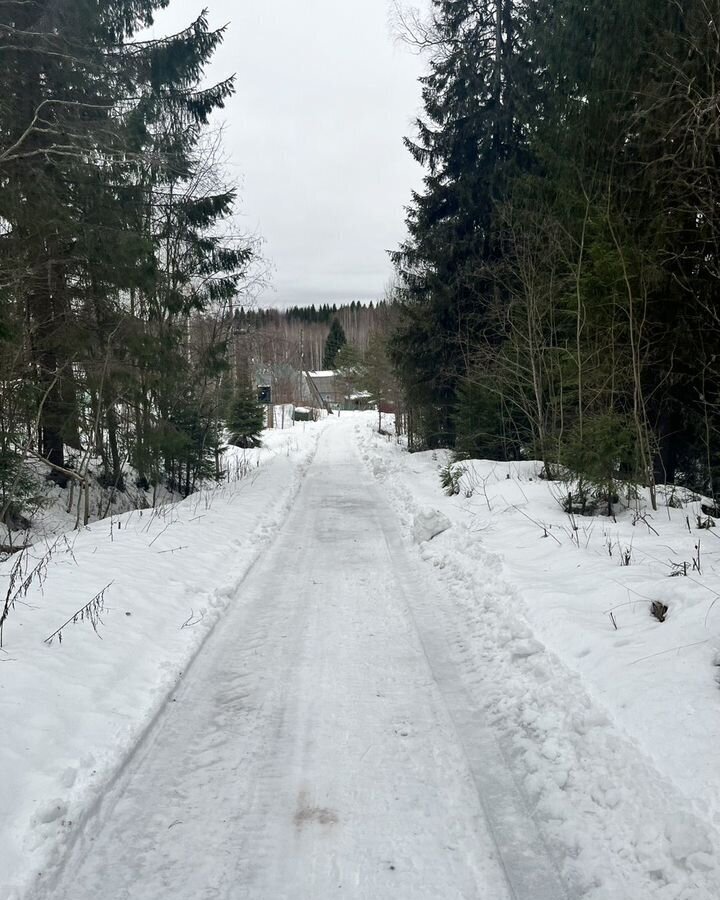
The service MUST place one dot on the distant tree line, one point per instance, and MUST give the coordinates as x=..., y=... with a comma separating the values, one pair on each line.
x=326, y=313
x=560, y=284
x=298, y=336
x=118, y=257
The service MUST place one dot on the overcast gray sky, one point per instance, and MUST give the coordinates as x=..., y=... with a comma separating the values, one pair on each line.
x=314, y=133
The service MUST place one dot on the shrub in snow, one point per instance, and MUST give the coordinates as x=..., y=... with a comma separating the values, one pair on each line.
x=25, y=574
x=597, y=455
x=90, y=612
x=673, y=501
x=450, y=476
x=658, y=610
x=579, y=500
x=16, y=486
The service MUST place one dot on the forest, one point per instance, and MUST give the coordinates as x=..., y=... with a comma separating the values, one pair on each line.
x=130, y=344
x=297, y=336
x=120, y=262
x=556, y=296
x=559, y=284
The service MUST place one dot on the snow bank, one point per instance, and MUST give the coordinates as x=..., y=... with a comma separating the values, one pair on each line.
x=71, y=711
x=429, y=523
x=609, y=718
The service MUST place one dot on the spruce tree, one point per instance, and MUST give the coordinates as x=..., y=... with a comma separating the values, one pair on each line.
x=335, y=340
x=113, y=232
x=560, y=281
x=246, y=417
x=472, y=138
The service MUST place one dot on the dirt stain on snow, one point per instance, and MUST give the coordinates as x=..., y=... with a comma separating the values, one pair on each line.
x=313, y=815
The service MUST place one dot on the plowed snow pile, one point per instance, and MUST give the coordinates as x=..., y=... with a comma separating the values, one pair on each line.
x=72, y=709
x=609, y=717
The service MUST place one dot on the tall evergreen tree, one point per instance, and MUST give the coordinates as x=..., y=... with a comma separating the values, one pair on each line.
x=473, y=137
x=560, y=282
x=335, y=341
x=108, y=244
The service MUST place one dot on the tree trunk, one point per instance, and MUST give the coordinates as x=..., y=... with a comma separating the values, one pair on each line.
x=116, y=474
x=48, y=320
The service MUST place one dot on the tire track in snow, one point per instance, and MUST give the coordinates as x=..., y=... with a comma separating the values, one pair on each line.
x=530, y=869
x=620, y=830
x=308, y=751
x=77, y=842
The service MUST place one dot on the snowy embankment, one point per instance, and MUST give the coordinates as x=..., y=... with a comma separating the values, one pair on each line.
x=54, y=510
x=71, y=710
x=608, y=717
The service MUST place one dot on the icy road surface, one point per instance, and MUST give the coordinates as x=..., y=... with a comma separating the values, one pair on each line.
x=322, y=743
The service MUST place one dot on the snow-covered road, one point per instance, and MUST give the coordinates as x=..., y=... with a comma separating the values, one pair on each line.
x=322, y=743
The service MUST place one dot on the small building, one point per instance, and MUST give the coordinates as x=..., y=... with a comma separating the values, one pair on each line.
x=358, y=400
x=335, y=390
x=279, y=383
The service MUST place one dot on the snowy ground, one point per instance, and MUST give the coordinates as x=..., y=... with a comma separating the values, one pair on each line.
x=53, y=510
x=406, y=695
x=612, y=730
x=71, y=712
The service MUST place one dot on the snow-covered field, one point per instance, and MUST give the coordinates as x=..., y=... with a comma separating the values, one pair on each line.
x=407, y=695
x=71, y=711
